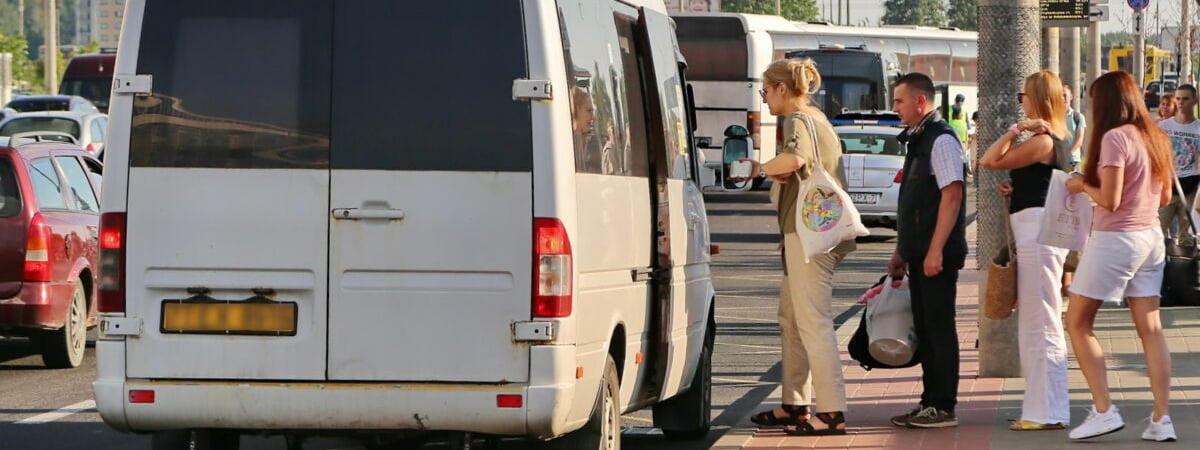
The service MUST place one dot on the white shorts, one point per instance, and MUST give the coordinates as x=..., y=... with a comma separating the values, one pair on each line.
x=1121, y=264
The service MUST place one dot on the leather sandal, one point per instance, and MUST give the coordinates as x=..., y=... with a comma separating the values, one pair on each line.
x=1025, y=425
x=795, y=416
x=831, y=420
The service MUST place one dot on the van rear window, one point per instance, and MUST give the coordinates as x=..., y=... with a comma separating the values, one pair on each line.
x=254, y=85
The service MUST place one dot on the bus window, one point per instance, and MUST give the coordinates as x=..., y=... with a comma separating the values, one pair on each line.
x=931, y=58
x=715, y=48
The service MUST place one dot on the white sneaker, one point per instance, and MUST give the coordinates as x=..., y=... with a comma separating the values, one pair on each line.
x=1161, y=431
x=1098, y=424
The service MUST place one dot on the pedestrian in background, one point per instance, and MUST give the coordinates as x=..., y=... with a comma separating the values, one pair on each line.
x=1166, y=106
x=1129, y=176
x=1184, y=132
x=931, y=246
x=1076, y=130
x=1030, y=163
x=810, y=350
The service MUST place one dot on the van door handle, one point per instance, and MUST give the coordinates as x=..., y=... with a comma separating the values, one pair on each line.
x=643, y=274
x=367, y=214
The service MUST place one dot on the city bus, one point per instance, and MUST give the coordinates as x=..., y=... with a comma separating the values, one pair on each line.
x=726, y=54
x=1159, y=62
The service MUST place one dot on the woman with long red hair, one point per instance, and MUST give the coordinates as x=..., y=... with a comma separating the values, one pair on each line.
x=1129, y=175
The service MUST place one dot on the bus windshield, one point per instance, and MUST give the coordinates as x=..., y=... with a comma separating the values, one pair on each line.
x=851, y=80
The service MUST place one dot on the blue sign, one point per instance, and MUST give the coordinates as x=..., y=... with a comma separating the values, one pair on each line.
x=1138, y=5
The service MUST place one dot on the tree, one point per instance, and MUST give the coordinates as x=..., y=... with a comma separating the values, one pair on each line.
x=964, y=14
x=24, y=72
x=800, y=10
x=931, y=13
x=1116, y=39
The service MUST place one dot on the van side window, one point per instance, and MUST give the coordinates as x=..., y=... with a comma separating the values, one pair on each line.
x=674, y=113
x=46, y=185
x=607, y=103
x=240, y=85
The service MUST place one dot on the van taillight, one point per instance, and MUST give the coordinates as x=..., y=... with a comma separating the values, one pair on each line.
x=551, y=269
x=755, y=126
x=37, y=250
x=112, y=263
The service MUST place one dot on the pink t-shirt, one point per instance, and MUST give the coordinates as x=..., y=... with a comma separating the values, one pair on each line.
x=1124, y=147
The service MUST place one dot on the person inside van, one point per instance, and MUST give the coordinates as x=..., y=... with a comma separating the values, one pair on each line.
x=811, y=358
x=588, y=153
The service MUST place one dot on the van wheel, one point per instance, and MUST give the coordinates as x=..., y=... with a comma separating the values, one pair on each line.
x=688, y=416
x=196, y=440
x=603, y=428
x=63, y=348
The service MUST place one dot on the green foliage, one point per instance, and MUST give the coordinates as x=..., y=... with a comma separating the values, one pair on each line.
x=24, y=72
x=1116, y=39
x=801, y=10
x=931, y=13
x=964, y=14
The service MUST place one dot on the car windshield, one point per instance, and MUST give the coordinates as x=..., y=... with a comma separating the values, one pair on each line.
x=40, y=104
x=96, y=89
x=33, y=124
x=870, y=144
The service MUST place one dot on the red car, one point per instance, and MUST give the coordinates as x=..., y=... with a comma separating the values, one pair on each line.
x=49, y=223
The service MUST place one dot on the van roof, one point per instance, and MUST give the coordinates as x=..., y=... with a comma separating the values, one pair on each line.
x=91, y=64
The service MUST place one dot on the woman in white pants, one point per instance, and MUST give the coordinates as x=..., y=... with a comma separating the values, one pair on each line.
x=1043, y=347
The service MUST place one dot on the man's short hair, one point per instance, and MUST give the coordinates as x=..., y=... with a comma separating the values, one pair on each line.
x=919, y=82
x=1187, y=87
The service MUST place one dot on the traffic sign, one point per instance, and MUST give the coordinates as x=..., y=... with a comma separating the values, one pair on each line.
x=1099, y=13
x=1138, y=5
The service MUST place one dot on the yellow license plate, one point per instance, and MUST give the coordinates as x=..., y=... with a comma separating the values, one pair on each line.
x=218, y=317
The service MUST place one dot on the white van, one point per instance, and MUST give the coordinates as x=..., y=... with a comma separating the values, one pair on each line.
x=373, y=217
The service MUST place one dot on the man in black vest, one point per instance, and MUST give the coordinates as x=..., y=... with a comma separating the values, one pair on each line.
x=931, y=246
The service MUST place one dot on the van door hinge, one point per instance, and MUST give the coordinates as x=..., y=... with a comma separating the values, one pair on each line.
x=533, y=331
x=532, y=90
x=120, y=326
x=133, y=84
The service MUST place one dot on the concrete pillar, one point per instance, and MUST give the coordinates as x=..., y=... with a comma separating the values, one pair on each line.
x=1008, y=52
x=1050, y=48
x=1095, y=61
x=1069, y=64
x=51, y=54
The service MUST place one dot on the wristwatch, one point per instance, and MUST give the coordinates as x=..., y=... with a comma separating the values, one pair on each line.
x=762, y=173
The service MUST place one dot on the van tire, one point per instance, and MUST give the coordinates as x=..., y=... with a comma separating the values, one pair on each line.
x=195, y=440
x=603, y=428
x=688, y=416
x=64, y=348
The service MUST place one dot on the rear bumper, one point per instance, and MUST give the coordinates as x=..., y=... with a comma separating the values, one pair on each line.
x=38, y=306
x=266, y=406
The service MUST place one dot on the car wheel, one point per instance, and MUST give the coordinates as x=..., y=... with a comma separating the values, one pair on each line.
x=63, y=348
x=603, y=428
x=195, y=440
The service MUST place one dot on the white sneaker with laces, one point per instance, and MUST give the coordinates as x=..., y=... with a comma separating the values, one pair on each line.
x=1098, y=424
x=1161, y=431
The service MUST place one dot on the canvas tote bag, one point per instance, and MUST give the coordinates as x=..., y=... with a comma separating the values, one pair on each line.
x=825, y=215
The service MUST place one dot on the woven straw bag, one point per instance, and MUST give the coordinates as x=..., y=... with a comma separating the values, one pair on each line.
x=1000, y=298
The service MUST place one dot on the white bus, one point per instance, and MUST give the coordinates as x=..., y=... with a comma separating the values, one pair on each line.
x=727, y=53
x=304, y=235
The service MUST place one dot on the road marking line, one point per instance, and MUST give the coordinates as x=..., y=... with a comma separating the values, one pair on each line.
x=768, y=347
x=60, y=413
x=748, y=319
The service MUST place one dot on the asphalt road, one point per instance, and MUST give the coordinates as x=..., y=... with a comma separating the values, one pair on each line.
x=51, y=409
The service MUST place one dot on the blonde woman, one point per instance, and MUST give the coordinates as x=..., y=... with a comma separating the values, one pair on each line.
x=810, y=352
x=1129, y=174
x=1039, y=290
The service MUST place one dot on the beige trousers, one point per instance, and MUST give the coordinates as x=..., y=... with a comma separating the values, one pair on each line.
x=811, y=358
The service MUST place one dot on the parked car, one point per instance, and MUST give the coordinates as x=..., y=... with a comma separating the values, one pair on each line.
x=1155, y=90
x=88, y=128
x=33, y=103
x=872, y=163
x=49, y=223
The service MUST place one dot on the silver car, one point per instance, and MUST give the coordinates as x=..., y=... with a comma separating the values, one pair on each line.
x=88, y=128
x=872, y=164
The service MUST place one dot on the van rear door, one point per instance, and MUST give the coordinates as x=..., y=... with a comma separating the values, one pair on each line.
x=228, y=190
x=431, y=228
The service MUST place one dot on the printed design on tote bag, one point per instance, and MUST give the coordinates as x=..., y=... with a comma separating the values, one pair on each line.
x=821, y=209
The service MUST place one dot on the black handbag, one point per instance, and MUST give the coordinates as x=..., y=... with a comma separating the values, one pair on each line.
x=1181, y=275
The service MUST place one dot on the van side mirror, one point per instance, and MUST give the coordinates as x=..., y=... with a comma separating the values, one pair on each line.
x=737, y=146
